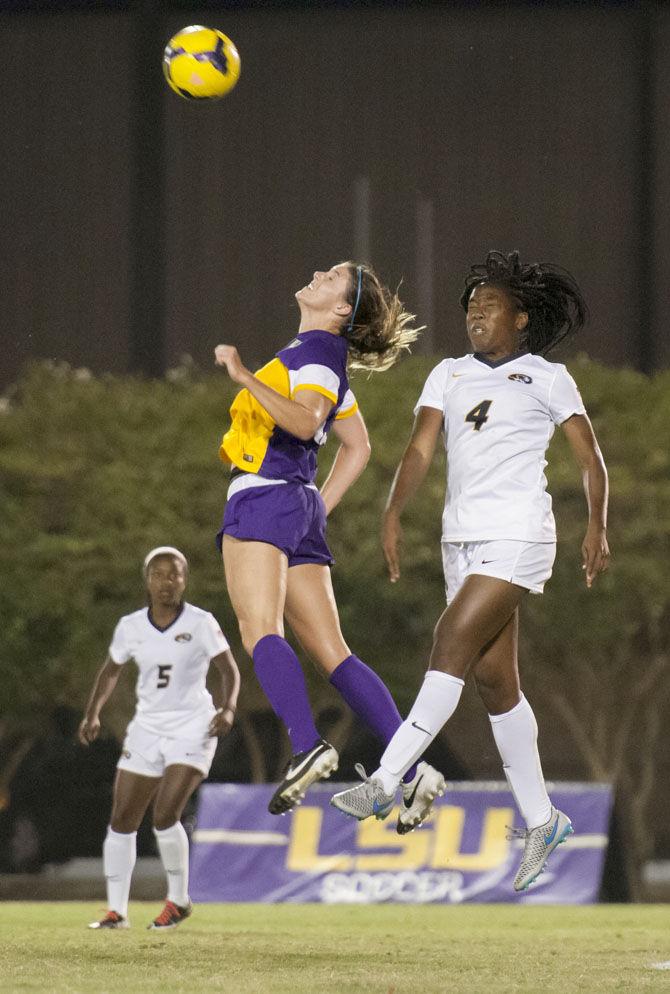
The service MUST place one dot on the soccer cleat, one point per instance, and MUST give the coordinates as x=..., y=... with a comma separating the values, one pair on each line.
x=303, y=770
x=111, y=920
x=539, y=844
x=418, y=796
x=367, y=799
x=171, y=915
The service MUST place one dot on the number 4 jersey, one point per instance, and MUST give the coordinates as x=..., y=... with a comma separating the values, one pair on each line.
x=499, y=418
x=172, y=663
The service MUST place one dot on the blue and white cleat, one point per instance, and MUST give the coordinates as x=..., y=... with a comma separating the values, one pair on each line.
x=539, y=844
x=367, y=799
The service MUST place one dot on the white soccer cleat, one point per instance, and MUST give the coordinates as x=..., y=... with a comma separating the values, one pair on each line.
x=367, y=799
x=418, y=796
x=539, y=844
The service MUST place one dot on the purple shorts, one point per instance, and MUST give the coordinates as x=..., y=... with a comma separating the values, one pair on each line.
x=288, y=515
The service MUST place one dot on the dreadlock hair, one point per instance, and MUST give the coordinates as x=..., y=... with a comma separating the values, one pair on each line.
x=378, y=329
x=548, y=294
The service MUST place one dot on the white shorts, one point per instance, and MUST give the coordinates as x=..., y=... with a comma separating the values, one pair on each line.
x=149, y=754
x=528, y=564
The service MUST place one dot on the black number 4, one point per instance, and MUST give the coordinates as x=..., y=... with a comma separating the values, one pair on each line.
x=479, y=415
x=163, y=675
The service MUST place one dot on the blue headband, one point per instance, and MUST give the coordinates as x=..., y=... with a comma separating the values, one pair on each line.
x=359, y=270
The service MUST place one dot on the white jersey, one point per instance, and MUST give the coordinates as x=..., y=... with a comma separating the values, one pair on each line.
x=498, y=421
x=172, y=667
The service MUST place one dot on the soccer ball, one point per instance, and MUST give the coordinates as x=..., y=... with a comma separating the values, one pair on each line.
x=201, y=63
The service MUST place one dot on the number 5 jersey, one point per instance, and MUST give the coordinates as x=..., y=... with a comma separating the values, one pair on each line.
x=172, y=664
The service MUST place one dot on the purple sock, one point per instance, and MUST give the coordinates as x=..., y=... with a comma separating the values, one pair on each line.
x=368, y=697
x=280, y=675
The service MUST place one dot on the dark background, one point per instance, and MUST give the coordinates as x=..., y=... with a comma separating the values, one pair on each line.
x=138, y=227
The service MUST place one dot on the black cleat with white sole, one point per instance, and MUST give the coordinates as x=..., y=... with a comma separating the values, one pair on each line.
x=304, y=769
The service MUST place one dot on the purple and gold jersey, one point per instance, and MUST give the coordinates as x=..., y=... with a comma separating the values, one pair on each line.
x=315, y=360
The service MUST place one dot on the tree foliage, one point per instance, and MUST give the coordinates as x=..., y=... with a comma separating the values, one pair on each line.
x=95, y=471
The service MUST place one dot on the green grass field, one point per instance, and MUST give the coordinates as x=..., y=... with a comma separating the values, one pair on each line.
x=295, y=949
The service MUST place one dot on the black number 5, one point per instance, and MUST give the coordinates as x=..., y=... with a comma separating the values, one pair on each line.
x=163, y=675
x=479, y=415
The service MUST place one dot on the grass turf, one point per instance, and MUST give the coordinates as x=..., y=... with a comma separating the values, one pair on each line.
x=295, y=949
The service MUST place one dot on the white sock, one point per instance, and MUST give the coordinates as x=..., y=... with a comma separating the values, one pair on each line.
x=434, y=705
x=516, y=737
x=119, y=852
x=173, y=849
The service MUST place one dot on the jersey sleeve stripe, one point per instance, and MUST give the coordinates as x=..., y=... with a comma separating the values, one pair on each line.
x=317, y=388
x=347, y=412
x=315, y=373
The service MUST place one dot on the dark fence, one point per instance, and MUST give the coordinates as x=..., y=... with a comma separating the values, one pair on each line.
x=138, y=227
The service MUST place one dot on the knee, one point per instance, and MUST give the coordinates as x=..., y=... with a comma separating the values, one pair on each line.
x=124, y=822
x=451, y=652
x=165, y=814
x=164, y=818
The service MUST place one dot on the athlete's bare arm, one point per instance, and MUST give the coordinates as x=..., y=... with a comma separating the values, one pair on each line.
x=582, y=440
x=225, y=688
x=350, y=460
x=105, y=682
x=413, y=467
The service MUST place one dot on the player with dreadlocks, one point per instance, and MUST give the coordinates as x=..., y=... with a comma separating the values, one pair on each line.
x=497, y=407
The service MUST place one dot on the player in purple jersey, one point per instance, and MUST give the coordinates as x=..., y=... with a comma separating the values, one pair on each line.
x=275, y=553
x=496, y=409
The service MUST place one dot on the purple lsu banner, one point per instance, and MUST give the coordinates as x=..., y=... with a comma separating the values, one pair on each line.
x=462, y=853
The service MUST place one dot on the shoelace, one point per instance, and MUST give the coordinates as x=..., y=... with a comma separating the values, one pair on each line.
x=515, y=833
x=360, y=769
x=167, y=915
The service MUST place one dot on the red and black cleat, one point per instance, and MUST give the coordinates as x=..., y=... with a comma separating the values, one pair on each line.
x=111, y=920
x=171, y=915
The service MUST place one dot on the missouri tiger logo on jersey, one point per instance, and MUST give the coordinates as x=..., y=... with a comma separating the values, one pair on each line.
x=520, y=377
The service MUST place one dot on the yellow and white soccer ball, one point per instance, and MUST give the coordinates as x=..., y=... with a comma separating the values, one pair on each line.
x=201, y=63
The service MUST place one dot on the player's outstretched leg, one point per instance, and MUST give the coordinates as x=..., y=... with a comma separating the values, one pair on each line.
x=367, y=799
x=304, y=769
x=111, y=920
x=539, y=844
x=418, y=796
x=171, y=915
